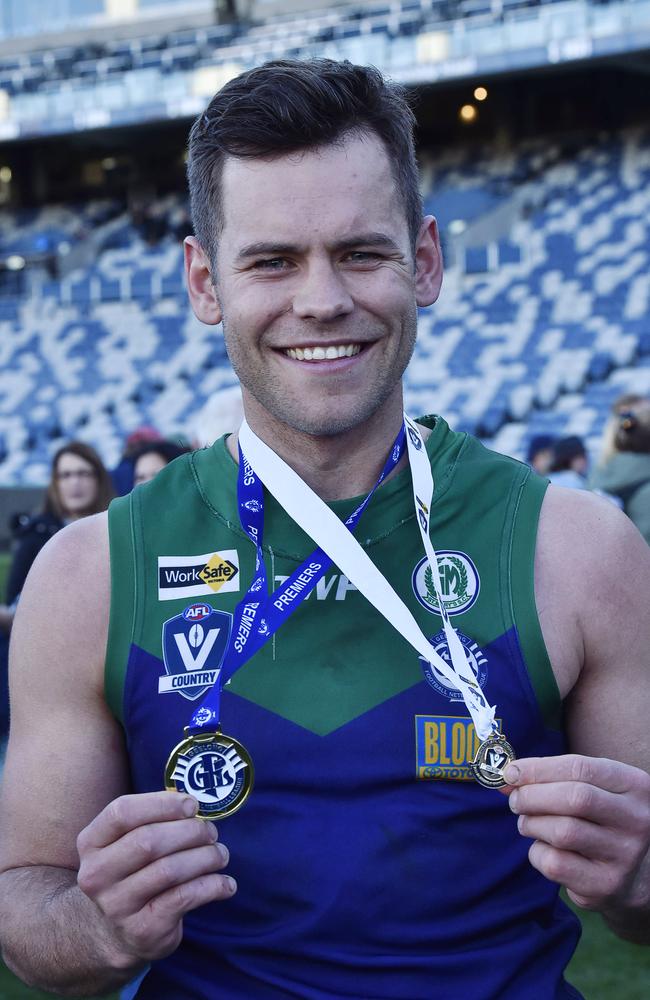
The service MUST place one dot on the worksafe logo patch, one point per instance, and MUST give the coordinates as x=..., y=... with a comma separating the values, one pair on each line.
x=193, y=645
x=181, y=577
x=445, y=745
x=459, y=582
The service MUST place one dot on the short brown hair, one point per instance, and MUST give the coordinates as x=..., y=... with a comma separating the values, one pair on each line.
x=290, y=105
x=105, y=492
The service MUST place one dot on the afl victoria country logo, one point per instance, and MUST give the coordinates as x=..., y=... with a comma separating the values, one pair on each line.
x=459, y=582
x=194, y=644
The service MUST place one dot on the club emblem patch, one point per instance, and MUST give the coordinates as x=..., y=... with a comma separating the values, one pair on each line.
x=476, y=659
x=193, y=645
x=459, y=582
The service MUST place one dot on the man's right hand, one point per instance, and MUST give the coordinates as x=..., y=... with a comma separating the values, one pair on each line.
x=146, y=860
x=141, y=861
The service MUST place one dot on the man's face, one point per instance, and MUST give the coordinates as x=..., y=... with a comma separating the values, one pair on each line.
x=317, y=285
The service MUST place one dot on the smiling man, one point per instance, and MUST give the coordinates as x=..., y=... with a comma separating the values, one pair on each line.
x=222, y=657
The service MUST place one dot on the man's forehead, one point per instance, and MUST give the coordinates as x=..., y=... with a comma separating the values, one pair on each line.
x=338, y=183
x=346, y=147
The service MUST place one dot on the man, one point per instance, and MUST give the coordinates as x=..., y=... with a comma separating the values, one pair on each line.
x=624, y=471
x=569, y=463
x=368, y=861
x=540, y=452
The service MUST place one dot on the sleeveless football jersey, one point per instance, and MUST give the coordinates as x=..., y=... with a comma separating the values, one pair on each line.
x=369, y=863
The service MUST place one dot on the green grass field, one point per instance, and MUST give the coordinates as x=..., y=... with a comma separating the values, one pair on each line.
x=603, y=968
x=12, y=989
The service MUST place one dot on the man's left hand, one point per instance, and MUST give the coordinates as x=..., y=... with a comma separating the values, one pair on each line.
x=590, y=821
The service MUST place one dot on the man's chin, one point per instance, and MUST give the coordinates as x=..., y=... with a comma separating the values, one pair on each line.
x=325, y=425
x=318, y=418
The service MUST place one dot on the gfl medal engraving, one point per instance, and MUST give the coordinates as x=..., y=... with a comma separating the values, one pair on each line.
x=215, y=769
x=492, y=757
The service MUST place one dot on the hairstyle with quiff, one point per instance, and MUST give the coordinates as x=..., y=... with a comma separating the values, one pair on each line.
x=105, y=492
x=290, y=105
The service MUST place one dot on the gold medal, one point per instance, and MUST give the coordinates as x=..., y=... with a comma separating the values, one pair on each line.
x=492, y=757
x=215, y=769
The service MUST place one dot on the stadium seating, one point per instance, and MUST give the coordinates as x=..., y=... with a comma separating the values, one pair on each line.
x=547, y=343
x=74, y=68
x=538, y=329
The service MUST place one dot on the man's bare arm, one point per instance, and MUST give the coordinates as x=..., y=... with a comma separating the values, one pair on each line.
x=94, y=881
x=589, y=811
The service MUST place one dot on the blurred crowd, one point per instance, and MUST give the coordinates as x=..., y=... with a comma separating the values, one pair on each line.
x=621, y=472
x=81, y=485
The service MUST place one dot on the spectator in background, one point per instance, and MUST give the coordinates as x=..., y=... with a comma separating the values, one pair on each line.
x=540, y=453
x=569, y=463
x=153, y=457
x=626, y=473
x=122, y=474
x=620, y=405
x=79, y=485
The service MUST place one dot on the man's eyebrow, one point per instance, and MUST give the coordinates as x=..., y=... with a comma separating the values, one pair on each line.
x=371, y=239
x=265, y=249
x=270, y=249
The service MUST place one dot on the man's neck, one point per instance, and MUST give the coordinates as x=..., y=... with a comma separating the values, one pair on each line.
x=336, y=467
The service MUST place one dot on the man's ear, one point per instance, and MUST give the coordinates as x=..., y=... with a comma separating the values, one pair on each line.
x=200, y=287
x=428, y=263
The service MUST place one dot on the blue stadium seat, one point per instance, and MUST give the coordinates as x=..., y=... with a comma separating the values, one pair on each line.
x=543, y=329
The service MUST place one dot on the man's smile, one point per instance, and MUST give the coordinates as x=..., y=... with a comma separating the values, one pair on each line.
x=319, y=353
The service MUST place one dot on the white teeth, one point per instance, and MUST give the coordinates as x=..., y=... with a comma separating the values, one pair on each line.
x=330, y=353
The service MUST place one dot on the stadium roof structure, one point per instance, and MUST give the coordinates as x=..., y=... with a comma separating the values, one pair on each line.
x=122, y=82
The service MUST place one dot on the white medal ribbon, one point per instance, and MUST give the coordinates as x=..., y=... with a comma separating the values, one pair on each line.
x=320, y=523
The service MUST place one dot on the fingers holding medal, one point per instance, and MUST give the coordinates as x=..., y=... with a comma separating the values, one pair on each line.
x=215, y=769
x=492, y=758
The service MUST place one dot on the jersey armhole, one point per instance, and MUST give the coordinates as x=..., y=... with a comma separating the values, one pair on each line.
x=522, y=569
x=122, y=611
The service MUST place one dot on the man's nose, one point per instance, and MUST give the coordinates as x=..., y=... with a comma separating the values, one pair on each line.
x=322, y=294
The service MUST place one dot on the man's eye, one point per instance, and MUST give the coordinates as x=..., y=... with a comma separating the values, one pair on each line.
x=362, y=256
x=270, y=264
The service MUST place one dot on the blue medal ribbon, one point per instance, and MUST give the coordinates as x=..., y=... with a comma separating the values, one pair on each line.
x=260, y=614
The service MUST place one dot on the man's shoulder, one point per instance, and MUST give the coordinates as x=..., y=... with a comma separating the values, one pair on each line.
x=583, y=520
x=86, y=531
x=64, y=605
x=586, y=539
x=76, y=557
x=592, y=578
